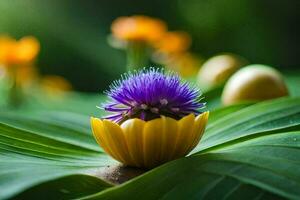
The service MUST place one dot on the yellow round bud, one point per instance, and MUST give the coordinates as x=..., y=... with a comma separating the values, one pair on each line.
x=216, y=70
x=254, y=83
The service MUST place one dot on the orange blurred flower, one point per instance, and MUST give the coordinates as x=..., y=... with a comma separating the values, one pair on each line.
x=54, y=83
x=173, y=42
x=138, y=28
x=13, y=52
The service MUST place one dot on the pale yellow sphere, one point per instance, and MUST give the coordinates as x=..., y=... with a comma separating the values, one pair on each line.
x=216, y=70
x=254, y=83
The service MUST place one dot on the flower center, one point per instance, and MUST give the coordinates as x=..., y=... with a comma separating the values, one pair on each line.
x=163, y=102
x=148, y=94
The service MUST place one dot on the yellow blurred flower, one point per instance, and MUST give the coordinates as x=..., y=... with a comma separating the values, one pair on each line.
x=13, y=52
x=138, y=28
x=185, y=64
x=53, y=84
x=171, y=50
x=149, y=143
x=173, y=42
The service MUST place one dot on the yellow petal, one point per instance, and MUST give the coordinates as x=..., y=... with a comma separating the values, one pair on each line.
x=116, y=140
x=168, y=137
x=107, y=135
x=185, y=125
x=100, y=136
x=152, y=142
x=199, y=128
x=133, y=132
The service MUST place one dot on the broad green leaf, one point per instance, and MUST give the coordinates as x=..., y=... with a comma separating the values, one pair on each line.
x=68, y=187
x=67, y=127
x=266, y=116
x=45, y=153
x=223, y=112
x=246, y=153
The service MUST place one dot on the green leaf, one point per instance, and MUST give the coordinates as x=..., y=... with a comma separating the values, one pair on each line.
x=266, y=116
x=247, y=152
x=222, y=112
x=67, y=127
x=68, y=187
x=35, y=151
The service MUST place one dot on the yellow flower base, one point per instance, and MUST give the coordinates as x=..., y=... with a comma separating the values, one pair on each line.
x=149, y=143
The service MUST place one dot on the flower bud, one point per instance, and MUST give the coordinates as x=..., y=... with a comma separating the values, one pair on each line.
x=254, y=83
x=216, y=70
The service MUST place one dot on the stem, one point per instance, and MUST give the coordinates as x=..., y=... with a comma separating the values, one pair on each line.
x=137, y=55
x=15, y=93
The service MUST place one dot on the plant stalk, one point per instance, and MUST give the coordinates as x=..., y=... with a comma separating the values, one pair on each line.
x=137, y=55
x=15, y=93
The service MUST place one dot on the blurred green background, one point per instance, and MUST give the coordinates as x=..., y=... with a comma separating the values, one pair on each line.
x=73, y=33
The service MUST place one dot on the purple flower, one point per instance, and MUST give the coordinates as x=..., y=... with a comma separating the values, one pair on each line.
x=147, y=94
